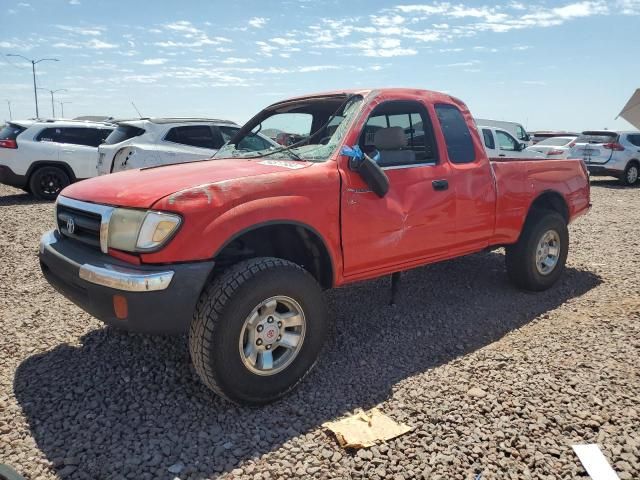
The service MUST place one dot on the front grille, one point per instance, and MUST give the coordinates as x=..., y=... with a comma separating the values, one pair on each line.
x=82, y=221
x=86, y=225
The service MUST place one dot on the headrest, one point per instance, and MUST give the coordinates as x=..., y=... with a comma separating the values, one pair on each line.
x=392, y=138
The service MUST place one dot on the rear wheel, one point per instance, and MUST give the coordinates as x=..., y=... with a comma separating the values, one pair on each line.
x=631, y=174
x=537, y=260
x=47, y=182
x=258, y=330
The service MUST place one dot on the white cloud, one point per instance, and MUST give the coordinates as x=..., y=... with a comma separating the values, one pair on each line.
x=67, y=45
x=258, y=22
x=154, y=61
x=234, y=60
x=92, y=31
x=74, y=2
x=100, y=45
x=191, y=36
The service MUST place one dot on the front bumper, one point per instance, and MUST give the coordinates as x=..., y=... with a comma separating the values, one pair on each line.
x=159, y=299
x=9, y=177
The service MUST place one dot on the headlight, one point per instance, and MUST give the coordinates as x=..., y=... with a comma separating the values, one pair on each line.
x=140, y=230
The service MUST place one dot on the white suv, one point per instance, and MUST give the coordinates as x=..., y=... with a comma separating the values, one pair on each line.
x=44, y=156
x=160, y=141
x=615, y=154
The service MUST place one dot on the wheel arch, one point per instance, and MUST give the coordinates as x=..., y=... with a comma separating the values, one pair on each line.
x=51, y=163
x=550, y=200
x=287, y=239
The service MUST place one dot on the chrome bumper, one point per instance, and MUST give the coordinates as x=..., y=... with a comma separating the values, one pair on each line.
x=112, y=276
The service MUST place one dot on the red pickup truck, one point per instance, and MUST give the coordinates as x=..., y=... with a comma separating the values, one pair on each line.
x=237, y=250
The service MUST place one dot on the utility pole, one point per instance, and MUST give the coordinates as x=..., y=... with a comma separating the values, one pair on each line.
x=53, y=106
x=33, y=70
x=62, y=104
x=9, y=104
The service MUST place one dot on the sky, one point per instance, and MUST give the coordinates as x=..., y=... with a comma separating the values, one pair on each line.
x=567, y=65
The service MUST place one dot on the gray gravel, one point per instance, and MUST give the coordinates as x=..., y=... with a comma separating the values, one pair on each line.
x=493, y=380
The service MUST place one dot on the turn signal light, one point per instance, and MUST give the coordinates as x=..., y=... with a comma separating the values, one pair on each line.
x=120, y=307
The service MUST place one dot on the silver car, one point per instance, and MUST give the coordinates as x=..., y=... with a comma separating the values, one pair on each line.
x=608, y=153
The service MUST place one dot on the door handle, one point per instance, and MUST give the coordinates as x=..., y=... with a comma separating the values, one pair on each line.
x=440, y=184
x=501, y=155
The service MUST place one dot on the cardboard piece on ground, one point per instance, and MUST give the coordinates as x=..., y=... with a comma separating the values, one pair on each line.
x=364, y=430
x=594, y=462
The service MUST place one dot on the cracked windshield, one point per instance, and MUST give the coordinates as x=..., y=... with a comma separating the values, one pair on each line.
x=304, y=130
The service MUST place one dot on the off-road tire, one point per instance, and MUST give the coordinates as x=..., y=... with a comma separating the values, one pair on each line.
x=624, y=178
x=220, y=315
x=521, y=256
x=45, y=175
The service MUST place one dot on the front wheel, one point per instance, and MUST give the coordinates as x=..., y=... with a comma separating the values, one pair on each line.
x=258, y=330
x=537, y=260
x=630, y=175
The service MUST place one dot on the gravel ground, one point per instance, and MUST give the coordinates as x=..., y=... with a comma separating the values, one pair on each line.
x=493, y=380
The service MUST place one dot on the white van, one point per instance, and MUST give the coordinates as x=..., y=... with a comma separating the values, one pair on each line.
x=500, y=143
x=515, y=129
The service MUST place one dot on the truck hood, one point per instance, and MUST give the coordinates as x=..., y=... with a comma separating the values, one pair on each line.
x=142, y=188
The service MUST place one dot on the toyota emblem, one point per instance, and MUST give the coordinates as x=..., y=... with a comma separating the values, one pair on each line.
x=71, y=226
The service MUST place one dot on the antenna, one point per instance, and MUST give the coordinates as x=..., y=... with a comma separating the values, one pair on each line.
x=136, y=108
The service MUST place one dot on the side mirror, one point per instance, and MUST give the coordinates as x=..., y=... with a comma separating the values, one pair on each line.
x=368, y=169
x=523, y=146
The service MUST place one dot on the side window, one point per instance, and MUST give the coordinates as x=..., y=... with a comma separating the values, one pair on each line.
x=456, y=134
x=49, y=135
x=71, y=135
x=79, y=136
x=103, y=133
x=506, y=141
x=488, y=138
x=402, y=123
x=522, y=135
x=250, y=142
x=194, y=135
x=634, y=139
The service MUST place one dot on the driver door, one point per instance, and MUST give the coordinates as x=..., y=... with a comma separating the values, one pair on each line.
x=415, y=221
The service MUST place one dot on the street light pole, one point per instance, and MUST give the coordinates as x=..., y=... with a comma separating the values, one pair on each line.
x=9, y=104
x=53, y=107
x=62, y=107
x=33, y=70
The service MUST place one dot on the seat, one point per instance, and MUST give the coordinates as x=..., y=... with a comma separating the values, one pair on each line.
x=390, y=143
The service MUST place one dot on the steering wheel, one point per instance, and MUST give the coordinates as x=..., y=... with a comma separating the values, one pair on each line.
x=325, y=140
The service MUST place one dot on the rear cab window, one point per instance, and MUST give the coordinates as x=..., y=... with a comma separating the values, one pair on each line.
x=123, y=132
x=456, y=134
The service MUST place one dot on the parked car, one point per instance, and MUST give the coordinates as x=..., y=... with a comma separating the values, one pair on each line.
x=554, y=147
x=499, y=143
x=44, y=156
x=541, y=135
x=237, y=250
x=158, y=141
x=515, y=129
x=615, y=154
